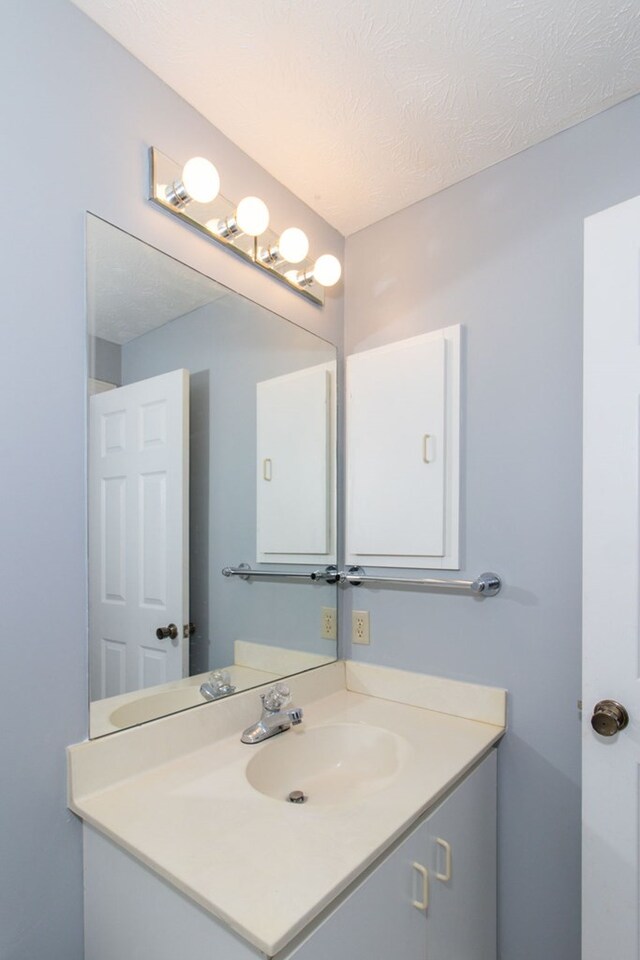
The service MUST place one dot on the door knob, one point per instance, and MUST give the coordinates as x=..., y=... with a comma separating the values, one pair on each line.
x=609, y=717
x=169, y=631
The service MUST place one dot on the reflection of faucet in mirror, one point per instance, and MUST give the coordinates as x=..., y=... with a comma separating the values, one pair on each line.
x=275, y=718
x=218, y=685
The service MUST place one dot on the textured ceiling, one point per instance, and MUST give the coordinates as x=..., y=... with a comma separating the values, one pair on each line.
x=362, y=107
x=134, y=288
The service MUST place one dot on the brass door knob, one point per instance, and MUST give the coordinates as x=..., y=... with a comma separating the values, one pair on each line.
x=169, y=631
x=609, y=717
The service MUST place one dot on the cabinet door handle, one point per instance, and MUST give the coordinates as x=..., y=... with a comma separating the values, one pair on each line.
x=425, y=448
x=266, y=468
x=446, y=876
x=423, y=873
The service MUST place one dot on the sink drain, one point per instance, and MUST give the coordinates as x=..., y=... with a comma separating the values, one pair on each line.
x=297, y=796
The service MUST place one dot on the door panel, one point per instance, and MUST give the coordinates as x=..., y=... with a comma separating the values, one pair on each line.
x=138, y=533
x=462, y=866
x=294, y=466
x=403, y=421
x=384, y=916
x=378, y=920
x=396, y=455
x=611, y=916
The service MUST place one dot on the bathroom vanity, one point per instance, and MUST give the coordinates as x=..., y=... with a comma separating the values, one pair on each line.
x=192, y=850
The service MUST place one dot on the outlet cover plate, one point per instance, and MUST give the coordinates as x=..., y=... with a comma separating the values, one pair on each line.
x=329, y=629
x=360, y=626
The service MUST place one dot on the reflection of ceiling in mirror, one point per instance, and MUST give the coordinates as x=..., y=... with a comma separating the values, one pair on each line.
x=135, y=288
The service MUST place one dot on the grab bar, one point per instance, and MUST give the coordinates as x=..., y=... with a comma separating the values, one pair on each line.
x=245, y=572
x=486, y=585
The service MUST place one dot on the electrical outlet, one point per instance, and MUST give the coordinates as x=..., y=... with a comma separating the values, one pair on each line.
x=329, y=624
x=360, y=626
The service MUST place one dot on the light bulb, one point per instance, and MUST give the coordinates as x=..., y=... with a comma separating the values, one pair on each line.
x=252, y=216
x=201, y=180
x=327, y=270
x=293, y=245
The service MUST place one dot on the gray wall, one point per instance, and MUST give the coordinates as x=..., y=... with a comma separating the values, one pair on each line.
x=229, y=346
x=501, y=254
x=105, y=360
x=76, y=127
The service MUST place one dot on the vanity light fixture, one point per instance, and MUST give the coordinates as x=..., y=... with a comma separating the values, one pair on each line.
x=199, y=181
x=192, y=193
x=326, y=271
x=292, y=246
x=226, y=228
x=251, y=217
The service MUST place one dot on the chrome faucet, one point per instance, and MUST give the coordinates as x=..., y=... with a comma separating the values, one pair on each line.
x=275, y=718
x=218, y=685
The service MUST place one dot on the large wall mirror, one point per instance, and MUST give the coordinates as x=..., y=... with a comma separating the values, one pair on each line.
x=211, y=444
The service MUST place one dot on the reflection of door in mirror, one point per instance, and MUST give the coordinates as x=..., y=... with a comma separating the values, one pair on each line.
x=138, y=534
x=176, y=487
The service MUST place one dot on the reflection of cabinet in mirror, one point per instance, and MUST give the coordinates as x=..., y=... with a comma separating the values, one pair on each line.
x=296, y=467
x=403, y=426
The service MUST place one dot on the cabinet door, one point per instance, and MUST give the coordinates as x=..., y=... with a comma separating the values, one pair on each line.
x=131, y=913
x=450, y=861
x=294, y=467
x=403, y=452
x=461, y=859
x=380, y=919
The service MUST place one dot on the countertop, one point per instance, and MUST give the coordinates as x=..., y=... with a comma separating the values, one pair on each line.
x=263, y=866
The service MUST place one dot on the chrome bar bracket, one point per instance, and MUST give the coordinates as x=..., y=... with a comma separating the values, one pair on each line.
x=330, y=574
x=487, y=584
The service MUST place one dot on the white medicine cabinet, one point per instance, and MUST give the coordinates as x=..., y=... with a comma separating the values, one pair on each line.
x=403, y=453
x=296, y=467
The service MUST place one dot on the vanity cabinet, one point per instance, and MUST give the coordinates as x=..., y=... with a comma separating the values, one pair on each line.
x=433, y=896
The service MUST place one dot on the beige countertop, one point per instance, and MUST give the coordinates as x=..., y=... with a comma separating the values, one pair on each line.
x=174, y=793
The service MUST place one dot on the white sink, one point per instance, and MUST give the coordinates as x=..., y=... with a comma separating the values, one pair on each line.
x=336, y=763
x=154, y=706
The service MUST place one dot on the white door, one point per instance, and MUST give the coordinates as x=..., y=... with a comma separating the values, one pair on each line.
x=611, y=599
x=138, y=534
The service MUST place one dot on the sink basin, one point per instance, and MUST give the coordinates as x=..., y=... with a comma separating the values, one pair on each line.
x=154, y=706
x=337, y=763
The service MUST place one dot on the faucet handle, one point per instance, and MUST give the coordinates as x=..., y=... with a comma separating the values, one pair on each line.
x=277, y=697
x=218, y=685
